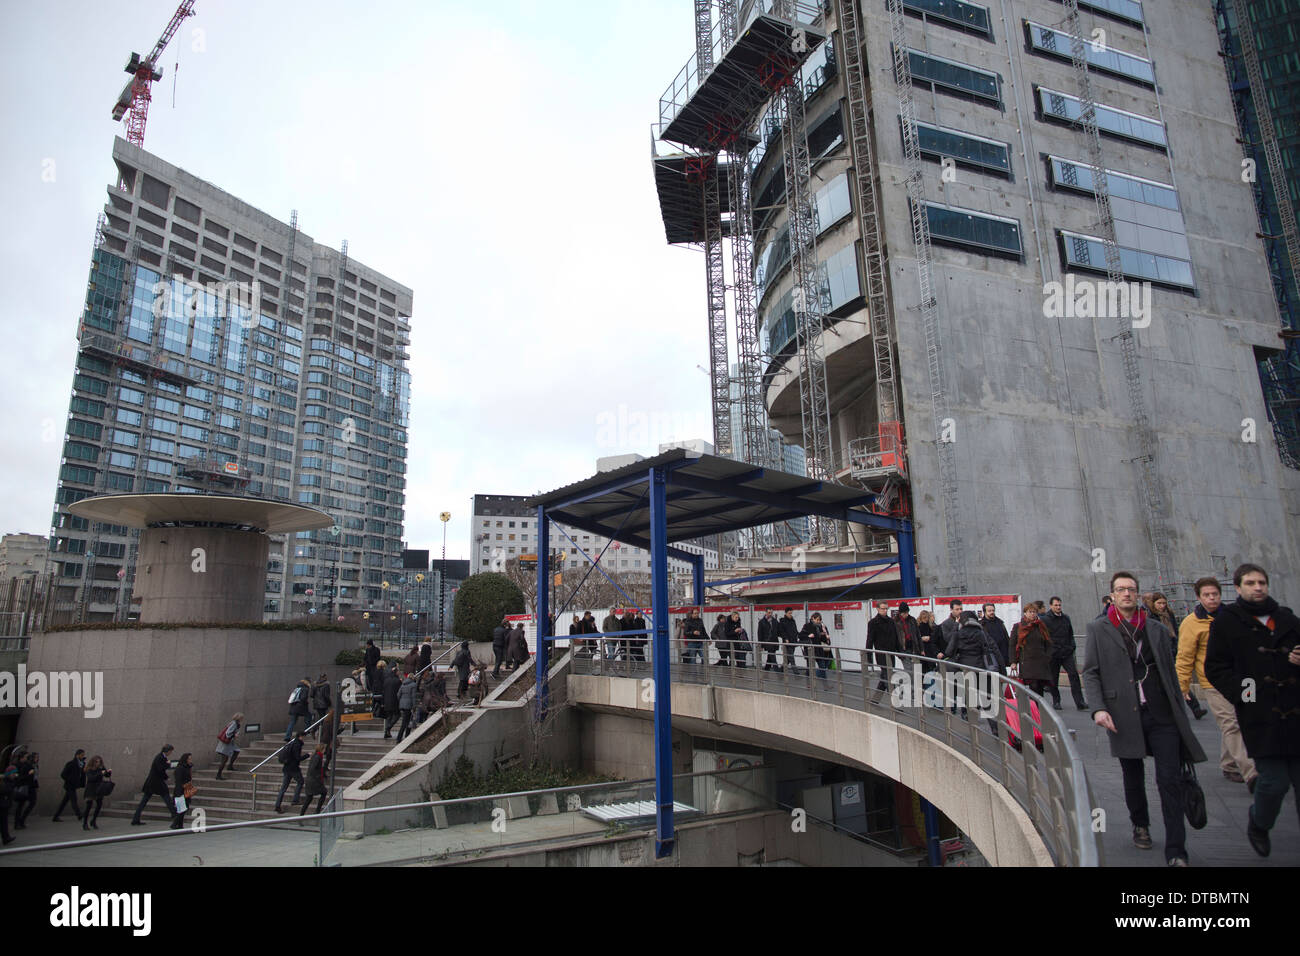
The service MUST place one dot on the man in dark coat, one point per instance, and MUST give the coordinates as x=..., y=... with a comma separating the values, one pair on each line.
x=788, y=629
x=639, y=641
x=588, y=626
x=499, y=637
x=156, y=783
x=322, y=696
x=299, y=706
x=950, y=624
x=463, y=661
x=997, y=631
x=694, y=636
x=767, y=640
x=426, y=654
x=392, y=692
x=1129, y=671
x=905, y=624
x=74, y=779
x=371, y=661
x=882, y=636
x=1061, y=630
x=291, y=758
x=1253, y=660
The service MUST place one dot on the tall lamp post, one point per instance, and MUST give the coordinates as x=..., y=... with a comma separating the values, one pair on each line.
x=442, y=578
x=421, y=602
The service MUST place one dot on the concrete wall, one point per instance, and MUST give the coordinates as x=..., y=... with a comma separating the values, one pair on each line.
x=168, y=686
x=228, y=588
x=972, y=799
x=756, y=838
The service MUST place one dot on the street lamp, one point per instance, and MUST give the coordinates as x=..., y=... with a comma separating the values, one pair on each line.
x=442, y=578
x=421, y=603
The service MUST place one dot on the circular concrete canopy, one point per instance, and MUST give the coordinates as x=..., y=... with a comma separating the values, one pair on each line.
x=201, y=511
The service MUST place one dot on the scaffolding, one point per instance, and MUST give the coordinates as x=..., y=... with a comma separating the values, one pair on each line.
x=954, y=580
x=1151, y=497
x=877, y=461
x=1280, y=373
x=740, y=61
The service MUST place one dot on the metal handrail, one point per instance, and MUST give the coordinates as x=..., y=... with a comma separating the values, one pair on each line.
x=1051, y=789
x=319, y=721
x=647, y=782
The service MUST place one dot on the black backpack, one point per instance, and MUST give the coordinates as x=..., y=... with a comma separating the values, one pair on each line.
x=284, y=752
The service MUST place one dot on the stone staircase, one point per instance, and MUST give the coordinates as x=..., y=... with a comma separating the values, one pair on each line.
x=230, y=799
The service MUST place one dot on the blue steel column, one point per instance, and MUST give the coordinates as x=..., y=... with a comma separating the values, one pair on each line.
x=907, y=561
x=543, y=608
x=697, y=580
x=664, y=833
x=931, y=816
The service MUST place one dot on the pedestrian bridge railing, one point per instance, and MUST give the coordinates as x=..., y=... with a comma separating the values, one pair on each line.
x=981, y=714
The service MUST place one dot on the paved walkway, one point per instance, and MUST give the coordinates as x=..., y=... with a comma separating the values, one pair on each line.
x=1223, y=841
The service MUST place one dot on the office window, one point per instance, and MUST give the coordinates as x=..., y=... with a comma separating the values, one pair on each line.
x=1064, y=108
x=1129, y=10
x=966, y=148
x=969, y=16
x=1100, y=57
x=128, y=417
x=1089, y=253
x=1081, y=177
x=973, y=230
x=958, y=77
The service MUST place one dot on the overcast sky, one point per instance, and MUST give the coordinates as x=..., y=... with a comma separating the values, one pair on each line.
x=493, y=157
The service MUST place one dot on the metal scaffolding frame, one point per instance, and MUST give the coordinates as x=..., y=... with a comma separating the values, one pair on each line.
x=1152, y=499
x=806, y=272
x=878, y=461
x=954, y=552
x=1280, y=373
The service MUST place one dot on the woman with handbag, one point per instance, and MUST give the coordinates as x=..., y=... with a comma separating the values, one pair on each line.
x=1032, y=650
x=183, y=791
x=227, y=748
x=98, y=786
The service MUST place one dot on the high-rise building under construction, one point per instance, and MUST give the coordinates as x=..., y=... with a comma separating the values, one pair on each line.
x=221, y=350
x=1000, y=264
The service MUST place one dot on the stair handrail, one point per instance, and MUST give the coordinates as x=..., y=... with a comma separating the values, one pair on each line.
x=319, y=721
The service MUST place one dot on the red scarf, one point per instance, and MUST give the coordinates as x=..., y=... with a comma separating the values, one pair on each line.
x=1139, y=621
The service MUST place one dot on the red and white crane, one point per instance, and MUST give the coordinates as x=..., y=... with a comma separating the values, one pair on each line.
x=135, y=95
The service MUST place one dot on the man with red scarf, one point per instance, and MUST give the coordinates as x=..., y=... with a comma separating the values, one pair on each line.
x=1129, y=675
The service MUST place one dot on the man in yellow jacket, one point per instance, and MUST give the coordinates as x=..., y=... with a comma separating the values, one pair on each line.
x=1193, y=638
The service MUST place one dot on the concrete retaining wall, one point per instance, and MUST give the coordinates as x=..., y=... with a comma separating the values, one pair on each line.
x=168, y=686
x=972, y=799
x=761, y=837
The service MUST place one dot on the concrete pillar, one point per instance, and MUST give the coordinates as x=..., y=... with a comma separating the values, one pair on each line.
x=211, y=575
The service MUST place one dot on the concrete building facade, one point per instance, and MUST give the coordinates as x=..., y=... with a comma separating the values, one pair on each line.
x=223, y=350
x=1049, y=482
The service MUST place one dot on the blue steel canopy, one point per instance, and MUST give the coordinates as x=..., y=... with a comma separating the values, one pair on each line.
x=673, y=497
x=706, y=495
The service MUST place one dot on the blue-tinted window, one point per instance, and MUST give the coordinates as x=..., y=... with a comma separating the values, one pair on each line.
x=1086, y=252
x=1130, y=10
x=971, y=16
x=973, y=230
x=1103, y=58
x=937, y=142
x=1066, y=108
x=1080, y=176
x=951, y=75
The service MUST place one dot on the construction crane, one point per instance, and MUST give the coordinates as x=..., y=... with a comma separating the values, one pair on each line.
x=135, y=96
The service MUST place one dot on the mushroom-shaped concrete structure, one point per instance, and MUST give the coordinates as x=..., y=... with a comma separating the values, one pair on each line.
x=202, y=557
